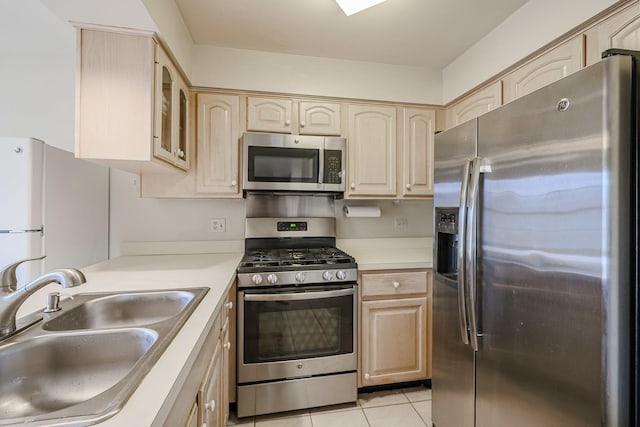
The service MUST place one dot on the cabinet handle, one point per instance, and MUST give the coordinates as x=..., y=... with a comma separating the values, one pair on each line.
x=353, y=186
x=210, y=406
x=367, y=376
x=408, y=186
x=227, y=345
x=301, y=124
x=234, y=182
x=229, y=305
x=396, y=285
x=287, y=122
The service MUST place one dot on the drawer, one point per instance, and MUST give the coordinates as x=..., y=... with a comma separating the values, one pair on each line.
x=388, y=284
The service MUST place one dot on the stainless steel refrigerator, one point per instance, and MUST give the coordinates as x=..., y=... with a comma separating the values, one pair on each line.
x=536, y=258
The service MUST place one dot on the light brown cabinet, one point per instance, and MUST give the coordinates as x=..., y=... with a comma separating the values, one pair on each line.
x=210, y=385
x=416, y=167
x=621, y=30
x=549, y=67
x=210, y=400
x=218, y=139
x=319, y=118
x=395, y=330
x=132, y=103
x=371, y=150
x=288, y=115
x=474, y=105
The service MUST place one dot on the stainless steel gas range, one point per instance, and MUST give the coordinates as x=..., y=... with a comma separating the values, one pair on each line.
x=297, y=311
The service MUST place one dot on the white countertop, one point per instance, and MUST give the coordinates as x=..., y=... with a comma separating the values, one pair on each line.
x=152, y=272
x=389, y=253
x=217, y=272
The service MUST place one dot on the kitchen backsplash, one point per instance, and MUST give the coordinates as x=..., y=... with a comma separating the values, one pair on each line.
x=135, y=219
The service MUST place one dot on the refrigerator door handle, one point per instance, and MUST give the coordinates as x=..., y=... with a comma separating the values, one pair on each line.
x=471, y=251
x=462, y=238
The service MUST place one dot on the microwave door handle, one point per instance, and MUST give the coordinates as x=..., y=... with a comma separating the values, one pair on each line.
x=462, y=239
x=299, y=296
x=320, y=165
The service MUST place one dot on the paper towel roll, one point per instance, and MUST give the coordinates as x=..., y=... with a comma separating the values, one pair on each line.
x=361, y=211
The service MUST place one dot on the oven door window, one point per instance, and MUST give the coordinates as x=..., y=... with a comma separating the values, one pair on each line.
x=274, y=164
x=289, y=330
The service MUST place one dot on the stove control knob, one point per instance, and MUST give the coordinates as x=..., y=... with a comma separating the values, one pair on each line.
x=256, y=279
x=327, y=275
x=300, y=276
x=272, y=278
x=341, y=275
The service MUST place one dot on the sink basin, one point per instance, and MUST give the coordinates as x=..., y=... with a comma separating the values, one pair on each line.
x=81, y=365
x=121, y=310
x=53, y=372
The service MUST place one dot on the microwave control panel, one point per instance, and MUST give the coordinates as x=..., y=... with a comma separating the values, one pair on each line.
x=332, y=167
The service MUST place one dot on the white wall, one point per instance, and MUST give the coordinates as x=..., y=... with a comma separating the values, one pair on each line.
x=535, y=24
x=134, y=219
x=174, y=31
x=246, y=69
x=37, y=81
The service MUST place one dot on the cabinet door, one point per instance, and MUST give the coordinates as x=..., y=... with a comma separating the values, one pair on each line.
x=546, y=69
x=371, y=151
x=319, y=118
x=114, y=115
x=165, y=107
x=394, y=341
x=192, y=420
x=181, y=125
x=218, y=144
x=475, y=105
x=226, y=379
x=417, y=152
x=269, y=115
x=621, y=30
x=210, y=393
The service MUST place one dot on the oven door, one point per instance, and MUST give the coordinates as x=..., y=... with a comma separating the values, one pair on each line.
x=295, y=332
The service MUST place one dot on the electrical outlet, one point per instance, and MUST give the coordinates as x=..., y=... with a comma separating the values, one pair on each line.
x=401, y=223
x=217, y=225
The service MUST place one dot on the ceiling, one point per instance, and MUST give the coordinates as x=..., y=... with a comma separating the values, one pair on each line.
x=416, y=33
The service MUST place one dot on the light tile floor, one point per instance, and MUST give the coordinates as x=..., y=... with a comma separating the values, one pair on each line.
x=409, y=407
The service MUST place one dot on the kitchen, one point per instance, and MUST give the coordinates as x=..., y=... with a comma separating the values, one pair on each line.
x=142, y=220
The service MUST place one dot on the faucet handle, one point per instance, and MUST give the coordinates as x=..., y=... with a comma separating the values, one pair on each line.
x=8, y=278
x=53, y=302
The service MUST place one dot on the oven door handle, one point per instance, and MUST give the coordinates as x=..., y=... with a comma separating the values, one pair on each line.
x=299, y=295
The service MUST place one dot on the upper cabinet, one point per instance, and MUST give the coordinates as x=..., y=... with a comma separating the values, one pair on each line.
x=269, y=115
x=621, y=30
x=551, y=66
x=131, y=103
x=474, y=105
x=416, y=144
x=371, y=150
x=218, y=144
x=286, y=115
x=319, y=118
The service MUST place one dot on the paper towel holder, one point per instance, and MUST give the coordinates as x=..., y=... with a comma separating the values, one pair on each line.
x=361, y=211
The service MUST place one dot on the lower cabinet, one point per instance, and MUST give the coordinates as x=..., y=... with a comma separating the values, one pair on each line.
x=203, y=400
x=210, y=399
x=395, y=327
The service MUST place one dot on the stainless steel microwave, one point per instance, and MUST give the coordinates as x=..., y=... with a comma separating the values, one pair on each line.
x=279, y=162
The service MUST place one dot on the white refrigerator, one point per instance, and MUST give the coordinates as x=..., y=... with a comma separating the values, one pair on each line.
x=50, y=204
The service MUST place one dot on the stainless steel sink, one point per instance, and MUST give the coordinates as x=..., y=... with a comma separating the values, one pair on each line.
x=53, y=372
x=120, y=310
x=80, y=365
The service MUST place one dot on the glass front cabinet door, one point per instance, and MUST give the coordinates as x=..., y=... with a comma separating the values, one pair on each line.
x=172, y=101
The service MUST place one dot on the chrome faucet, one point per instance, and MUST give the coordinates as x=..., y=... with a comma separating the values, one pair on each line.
x=11, y=298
